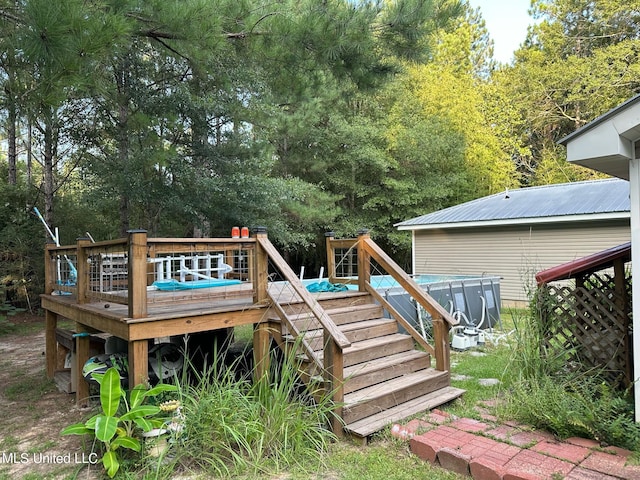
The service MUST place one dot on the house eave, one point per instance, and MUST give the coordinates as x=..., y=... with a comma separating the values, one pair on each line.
x=520, y=221
x=607, y=144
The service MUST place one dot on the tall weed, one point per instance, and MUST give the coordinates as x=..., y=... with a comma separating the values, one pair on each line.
x=574, y=407
x=237, y=427
x=553, y=394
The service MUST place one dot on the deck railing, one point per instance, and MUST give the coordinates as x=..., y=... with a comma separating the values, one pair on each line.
x=357, y=258
x=123, y=271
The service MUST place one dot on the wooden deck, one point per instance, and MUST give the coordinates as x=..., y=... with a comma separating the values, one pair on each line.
x=351, y=340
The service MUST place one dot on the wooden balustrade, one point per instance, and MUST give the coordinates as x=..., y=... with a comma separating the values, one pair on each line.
x=368, y=251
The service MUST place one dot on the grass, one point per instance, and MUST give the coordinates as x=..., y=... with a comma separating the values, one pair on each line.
x=28, y=386
x=487, y=362
x=469, y=368
x=237, y=428
x=382, y=459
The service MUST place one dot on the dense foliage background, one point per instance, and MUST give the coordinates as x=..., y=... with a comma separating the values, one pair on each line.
x=186, y=117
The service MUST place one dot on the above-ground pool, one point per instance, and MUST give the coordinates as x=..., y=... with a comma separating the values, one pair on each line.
x=472, y=299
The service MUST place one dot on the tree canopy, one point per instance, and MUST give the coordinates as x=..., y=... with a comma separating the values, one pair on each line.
x=187, y=117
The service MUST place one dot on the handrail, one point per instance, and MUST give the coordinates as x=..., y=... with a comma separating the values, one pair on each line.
x=311, y=354
x=334, y=341
x=327, y=324
x=409, y=284
x=442, y=320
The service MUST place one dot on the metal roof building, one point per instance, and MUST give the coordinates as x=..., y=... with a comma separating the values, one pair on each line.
x=514, y=234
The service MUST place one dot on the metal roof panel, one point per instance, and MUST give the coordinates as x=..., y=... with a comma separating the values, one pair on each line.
x=558, y=200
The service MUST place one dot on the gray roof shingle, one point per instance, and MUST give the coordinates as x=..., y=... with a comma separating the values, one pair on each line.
x=594, y=197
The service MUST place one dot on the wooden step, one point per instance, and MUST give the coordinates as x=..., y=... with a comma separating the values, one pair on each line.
x=327, y=300
x=355, y=332
x=340, y=316
x=372, y=400
x=373, y=348
x=382, y=369
x=368, y=426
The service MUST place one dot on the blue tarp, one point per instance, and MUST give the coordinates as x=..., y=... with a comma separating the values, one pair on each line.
x=326, y=287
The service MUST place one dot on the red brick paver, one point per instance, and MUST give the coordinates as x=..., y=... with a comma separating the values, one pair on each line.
x=583, y=442
x=580, y=473
x=562, y=450
x=609, y=464
x=517, y=436
x=427, y=445
x=511, y=452
x=537, y=465
x=454, y=460
x=470, y=425
x=482, y=468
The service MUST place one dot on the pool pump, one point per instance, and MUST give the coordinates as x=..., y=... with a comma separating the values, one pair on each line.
x=466, y=336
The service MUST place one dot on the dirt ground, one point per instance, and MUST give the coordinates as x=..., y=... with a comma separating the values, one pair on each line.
x=33, y=412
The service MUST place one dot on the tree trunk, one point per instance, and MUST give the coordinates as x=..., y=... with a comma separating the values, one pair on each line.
x=123, y=155
x=29, y=155
x=48, y=167
x=12, y=152
x=122, y=82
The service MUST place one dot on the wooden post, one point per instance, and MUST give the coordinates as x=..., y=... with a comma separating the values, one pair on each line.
x=82, y=267
x=260, y=269
x=51, y=319
x=138, y=362
x=261, y=358
x=334, y=382
x=621, y=302
x=619, y=284
x=49, y=270
x=364, y=261
x=51, y=345
x=441, y=344
x=137, y=277
x=331, y=256
x=82, y=355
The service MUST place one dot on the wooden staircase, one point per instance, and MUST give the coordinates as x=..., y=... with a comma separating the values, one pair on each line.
x=367, y=357
x=386, y=378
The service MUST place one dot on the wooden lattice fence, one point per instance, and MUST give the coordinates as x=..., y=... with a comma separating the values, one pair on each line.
x=590, y=320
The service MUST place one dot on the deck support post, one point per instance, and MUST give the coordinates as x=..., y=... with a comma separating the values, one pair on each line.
x=138, y=362
x=49, y=270
x=261, y=358
x=364, y=262
x=137, y=278
x=260, y=296
x=331, y=256
x=82, y=355
x=137, y=285
x=51, y=345
x=260, y=269
x=334, y=382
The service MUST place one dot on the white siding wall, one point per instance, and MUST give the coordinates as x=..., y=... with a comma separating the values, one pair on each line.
x=514, y=253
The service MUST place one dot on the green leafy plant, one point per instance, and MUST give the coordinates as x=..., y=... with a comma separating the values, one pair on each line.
x=120, y=431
